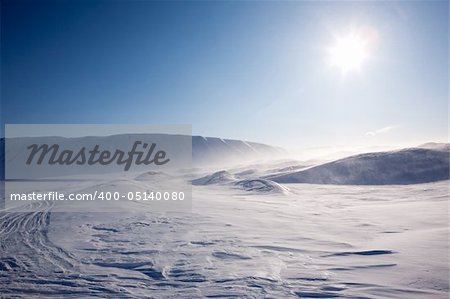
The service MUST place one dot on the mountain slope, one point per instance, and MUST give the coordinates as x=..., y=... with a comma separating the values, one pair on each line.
x=211, y=150
x=206, y=151
x=408, y=166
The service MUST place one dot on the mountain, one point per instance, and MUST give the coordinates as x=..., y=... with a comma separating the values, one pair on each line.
x=211, y=150
x=426, y=163
x=206, y=151
x=436, y=146
x=407, y=166
x=2, y=158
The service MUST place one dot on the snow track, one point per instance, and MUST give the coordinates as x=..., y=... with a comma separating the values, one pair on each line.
x=316, y=241
x=31, y=265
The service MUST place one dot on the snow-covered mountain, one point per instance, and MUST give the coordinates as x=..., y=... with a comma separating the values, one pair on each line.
x=425, y=163
x=245, y=236
x=436, y=146
x=2, y=158
x=407, y=166
x=206, y=151
x=211, y=150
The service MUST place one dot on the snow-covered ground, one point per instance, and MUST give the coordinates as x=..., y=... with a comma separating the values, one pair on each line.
x=247, y=237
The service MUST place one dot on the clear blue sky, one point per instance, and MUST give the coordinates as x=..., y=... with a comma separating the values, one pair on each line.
x=246, y=70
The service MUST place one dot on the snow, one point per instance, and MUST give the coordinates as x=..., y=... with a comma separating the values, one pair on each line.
x=409, y=166
x=261, y=185
x=218, y=177
x=247, y=236
x=316, y=241
x=217, y=151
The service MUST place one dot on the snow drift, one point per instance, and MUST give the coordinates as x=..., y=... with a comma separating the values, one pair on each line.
x=217, y=178
x=261, y=185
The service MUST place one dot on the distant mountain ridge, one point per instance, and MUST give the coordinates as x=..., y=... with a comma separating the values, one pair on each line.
x=205, y=150
x=212, y=150
x=426, y=163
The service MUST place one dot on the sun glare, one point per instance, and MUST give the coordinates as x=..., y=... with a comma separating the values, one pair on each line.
x=350, y=51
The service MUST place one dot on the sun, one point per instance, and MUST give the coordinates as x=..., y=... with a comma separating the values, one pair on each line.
x=351, y=50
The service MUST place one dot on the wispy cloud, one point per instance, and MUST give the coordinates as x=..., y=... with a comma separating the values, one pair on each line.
x=380, y=131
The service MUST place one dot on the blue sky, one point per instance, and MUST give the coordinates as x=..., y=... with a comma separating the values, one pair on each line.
x=245, y=70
